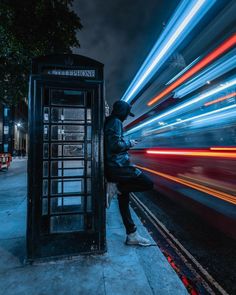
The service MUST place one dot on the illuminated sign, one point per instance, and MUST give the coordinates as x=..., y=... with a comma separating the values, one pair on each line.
x=72, y=73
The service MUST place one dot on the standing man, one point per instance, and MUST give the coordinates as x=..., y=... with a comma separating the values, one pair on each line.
x=118, y=168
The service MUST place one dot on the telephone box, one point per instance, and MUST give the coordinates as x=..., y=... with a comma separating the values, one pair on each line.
x=66, y=196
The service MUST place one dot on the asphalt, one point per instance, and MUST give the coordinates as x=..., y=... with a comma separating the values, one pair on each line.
x=121, y=270
x=213, y=249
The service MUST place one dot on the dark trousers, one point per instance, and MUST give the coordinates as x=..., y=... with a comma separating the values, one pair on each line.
x=138, y=183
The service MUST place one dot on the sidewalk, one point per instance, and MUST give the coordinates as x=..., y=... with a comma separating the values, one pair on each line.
x=122, y=270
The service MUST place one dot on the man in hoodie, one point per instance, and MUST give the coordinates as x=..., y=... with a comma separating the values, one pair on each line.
x=118, y=168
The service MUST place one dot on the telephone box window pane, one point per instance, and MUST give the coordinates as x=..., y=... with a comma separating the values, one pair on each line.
x=88, y=168
x=45, y=169
x=89, y=120
x=74, y=115
x=67, y=97
x=56, y=187
x=45, y=150
x=67, y=186
x=73, y=172
x=67, y=115
x=67, y=168
x=67, y=133
x=88, y=185
x=67, y=150
x=89, y=147
x=46, y=115
x=89, y=203
x=73, y=150
x=56, y=168
x=45, y=187
x=45, y=132
x=66, y=223
x=67, y=204
x=89, y=132
x=73, y=168
x=56, y=150
x=44, y=206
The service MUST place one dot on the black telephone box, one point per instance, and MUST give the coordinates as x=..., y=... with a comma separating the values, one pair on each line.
x=66, y=196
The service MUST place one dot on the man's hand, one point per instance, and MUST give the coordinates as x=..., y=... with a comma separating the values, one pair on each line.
x=133, y=142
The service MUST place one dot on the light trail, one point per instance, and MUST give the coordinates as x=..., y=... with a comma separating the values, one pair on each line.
x=215, y=193
x=193, y=153
x=187, y=15
x=195, y=99
x=220, y=99
x=229, y=43
x=223, y=148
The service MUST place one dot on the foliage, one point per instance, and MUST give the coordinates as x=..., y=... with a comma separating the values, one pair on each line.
x=31, y=28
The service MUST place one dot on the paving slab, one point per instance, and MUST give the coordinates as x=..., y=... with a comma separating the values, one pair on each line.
x=121, y=270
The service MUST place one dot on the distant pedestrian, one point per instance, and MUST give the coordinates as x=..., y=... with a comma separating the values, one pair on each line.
x=118, y=168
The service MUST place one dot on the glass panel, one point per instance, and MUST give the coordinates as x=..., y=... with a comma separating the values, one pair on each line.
x=67, y=132
x=46, y=115
x=75, y=150
x=56, y=150
x=45, y=169
x=67, y=168
x=67, y=97
x=68, y=204
x=89, y=132
x=68, y=115
x=45, y=187
x=67, y=150
x=66, y=223
x=74, y=172
x=67, y=186
x=44, y=206
x=56, y=168
x=89, y=146
x=89, y=203
x=88, y=185
x=45, y=150
x=45, y=132
x=88, y=115
x=88, y=168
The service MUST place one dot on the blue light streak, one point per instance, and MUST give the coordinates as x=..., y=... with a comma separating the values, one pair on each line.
x=222, y=66
x=208, y=114
x=194, y=100
x=187, y=15
x=183, y=71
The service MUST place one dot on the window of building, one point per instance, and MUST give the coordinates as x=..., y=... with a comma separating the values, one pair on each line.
x=5, y=129
x=6, y=110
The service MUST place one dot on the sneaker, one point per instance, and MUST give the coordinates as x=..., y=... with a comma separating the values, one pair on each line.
x=136, y=239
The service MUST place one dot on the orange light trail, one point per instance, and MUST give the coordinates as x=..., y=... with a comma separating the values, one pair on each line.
x=223, y=148
x=193, y=153
x=218, y=194
x=230, y=42
x=219, y=99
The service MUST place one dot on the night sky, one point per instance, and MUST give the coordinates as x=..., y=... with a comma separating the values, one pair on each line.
x=120, y=33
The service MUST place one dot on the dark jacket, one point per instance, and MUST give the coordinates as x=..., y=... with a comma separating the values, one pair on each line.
x=117, y=162
x=116, y=146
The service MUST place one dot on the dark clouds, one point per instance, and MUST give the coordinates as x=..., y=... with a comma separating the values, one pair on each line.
x=120, y=33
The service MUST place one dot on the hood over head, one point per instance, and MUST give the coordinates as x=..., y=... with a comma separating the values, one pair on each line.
x=122, y=110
